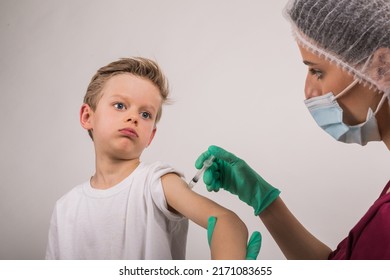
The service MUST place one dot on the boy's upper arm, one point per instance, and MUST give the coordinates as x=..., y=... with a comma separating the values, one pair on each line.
x=187, y=202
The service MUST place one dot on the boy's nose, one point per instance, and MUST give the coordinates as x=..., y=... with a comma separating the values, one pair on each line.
x=132, y=120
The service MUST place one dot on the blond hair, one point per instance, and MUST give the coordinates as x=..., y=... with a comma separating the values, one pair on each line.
x=138, y=66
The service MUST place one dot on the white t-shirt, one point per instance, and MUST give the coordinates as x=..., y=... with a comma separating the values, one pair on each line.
x=127, y=221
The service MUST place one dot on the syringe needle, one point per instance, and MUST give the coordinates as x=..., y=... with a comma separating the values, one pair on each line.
x=206, y=164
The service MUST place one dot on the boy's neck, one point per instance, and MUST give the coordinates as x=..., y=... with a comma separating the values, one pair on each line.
x=109, y=173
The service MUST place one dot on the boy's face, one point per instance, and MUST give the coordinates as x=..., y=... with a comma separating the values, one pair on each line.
x=123, y=124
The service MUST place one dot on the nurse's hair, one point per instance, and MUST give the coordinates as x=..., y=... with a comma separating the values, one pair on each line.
x=353, y=34
x=137, y=66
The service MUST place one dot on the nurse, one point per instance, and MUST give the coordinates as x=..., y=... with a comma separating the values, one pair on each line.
x=346, y=47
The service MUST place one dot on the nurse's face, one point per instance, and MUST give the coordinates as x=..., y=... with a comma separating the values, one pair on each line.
x=324, y=77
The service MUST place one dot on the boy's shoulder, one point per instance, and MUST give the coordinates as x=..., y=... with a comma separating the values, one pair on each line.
x=158, y=169
x=73, y=194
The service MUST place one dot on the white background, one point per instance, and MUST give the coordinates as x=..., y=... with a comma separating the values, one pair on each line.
x=237, y=80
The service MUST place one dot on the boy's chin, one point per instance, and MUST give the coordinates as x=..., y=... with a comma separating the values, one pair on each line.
x=126, y=156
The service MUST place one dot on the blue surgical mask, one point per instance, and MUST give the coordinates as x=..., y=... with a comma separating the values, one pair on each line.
x=329, y=116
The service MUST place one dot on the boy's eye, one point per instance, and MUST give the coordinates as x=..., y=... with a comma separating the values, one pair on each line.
x=317, y=73
x=119, y=106
x=146, y=115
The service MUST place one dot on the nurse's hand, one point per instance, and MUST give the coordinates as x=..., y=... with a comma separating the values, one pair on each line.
x=234, y=175
x=253, y=246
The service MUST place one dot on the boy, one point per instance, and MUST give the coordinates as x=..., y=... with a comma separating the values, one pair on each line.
x=129, y=209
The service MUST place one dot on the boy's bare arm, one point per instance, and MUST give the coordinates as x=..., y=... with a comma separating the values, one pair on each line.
x=230, y=234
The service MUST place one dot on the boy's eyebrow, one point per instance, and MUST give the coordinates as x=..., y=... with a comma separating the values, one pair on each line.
x=149, y=108
x=117, y=96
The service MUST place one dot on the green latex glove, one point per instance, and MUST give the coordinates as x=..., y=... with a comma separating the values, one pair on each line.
x=234, y=175
x=254, y=244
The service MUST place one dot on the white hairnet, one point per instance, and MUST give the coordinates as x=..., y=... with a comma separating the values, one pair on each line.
x=354, y=34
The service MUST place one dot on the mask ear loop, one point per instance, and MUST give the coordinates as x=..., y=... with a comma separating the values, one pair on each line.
x=346, y=89
x=381, y=103
x=352, y=85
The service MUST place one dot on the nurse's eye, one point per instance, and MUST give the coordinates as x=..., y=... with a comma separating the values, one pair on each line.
x=120, y=106
x=146, y=115
x=317, y=73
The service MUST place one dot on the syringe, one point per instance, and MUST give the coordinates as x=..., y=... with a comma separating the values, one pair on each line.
x=206, y=164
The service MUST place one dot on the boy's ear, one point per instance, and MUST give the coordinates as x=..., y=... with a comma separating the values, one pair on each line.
x=152, y=136
x=86, y=116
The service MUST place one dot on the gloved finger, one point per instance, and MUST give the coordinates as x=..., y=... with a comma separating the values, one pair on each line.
x=222, y=154
x=254, y=245
x=199, y=161
x=211, y=178
x=210, y=228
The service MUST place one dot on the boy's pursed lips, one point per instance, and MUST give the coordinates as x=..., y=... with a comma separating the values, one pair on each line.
x=129, y=132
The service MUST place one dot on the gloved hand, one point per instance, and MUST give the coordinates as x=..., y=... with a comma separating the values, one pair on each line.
x=234, y=175
x=254, y=244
